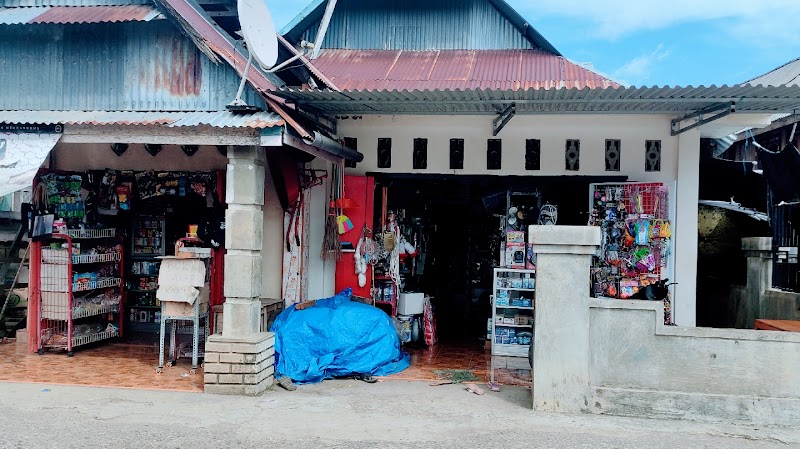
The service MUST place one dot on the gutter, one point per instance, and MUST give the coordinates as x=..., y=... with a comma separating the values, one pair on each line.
x=322, y=146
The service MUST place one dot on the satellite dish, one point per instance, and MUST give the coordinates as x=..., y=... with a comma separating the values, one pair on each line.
x=259, y=31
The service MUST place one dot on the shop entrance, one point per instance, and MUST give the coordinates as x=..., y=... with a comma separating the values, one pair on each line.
x=457, y=227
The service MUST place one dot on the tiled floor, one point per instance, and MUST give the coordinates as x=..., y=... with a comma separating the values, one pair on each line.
x=109, y=365
x=134, y=366
x=424, y=363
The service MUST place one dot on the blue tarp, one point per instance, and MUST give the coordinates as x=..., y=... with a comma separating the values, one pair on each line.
x=336, y=338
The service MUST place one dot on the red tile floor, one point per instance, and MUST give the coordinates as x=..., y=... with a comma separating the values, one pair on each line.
x=473, y=357
x=116, y=365
x=123, y=365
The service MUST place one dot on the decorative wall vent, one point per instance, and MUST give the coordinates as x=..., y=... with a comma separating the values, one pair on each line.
x=572, y=155
x=652, y=155
x=533, y=154
x=152, y=148
x=420, y=154
x=119, y=148
x=352, y=143
x=494, y=154
x=384, y=153
x=613, y=154
x=190, y=150
x=456, y=154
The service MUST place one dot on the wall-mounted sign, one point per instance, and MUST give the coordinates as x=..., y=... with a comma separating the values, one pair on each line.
x=30, y=128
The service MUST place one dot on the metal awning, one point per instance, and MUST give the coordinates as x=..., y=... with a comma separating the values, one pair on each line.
x=21, y=155
x=622, y=100
x=215, y=119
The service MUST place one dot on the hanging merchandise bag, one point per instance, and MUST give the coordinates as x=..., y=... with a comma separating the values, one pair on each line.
x=665, y=231
x=42, y=220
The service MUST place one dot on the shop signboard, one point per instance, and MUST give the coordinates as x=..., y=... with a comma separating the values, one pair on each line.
x=30, y=128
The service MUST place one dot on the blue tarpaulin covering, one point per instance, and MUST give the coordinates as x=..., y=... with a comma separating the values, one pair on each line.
x=336, y=338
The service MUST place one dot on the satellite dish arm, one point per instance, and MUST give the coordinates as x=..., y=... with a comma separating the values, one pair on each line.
x=323, y=28
x=238, y=101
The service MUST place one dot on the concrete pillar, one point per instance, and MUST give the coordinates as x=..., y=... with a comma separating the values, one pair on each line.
x=240, y=361
x=684, y=302
x=561, y=329
x=758, y=251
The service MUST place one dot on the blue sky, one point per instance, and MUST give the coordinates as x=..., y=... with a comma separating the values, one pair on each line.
x=658, y=42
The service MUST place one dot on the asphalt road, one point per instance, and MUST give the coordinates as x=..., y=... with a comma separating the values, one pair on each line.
x=338, y=414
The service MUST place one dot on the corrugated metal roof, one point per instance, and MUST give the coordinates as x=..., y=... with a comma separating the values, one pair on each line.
x=419, y=25
x=640, y=100
x=78, y=14
x=785, y=75
x=91, y=14
x=454, y=69
x=216, y=119
x=31, y=3
x=137, y=66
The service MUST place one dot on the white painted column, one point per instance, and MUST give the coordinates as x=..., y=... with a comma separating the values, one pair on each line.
x=684, y=300
x=561, y=328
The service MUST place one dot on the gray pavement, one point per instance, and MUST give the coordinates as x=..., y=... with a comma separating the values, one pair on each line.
x=338, y=414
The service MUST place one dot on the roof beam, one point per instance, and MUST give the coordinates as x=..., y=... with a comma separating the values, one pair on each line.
x=722, y=109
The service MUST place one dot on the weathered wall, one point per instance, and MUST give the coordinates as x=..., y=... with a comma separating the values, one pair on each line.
x=640, y=367
x=81, y=157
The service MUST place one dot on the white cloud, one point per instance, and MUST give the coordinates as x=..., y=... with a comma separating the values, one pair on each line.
x=638, y=70
x=615, y=18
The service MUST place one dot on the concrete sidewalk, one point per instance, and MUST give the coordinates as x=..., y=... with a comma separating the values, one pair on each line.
x=341, y=414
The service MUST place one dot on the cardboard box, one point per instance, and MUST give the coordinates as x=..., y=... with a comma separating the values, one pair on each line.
x=515, y=255
x=174, y=308
x=508, y=320
x=515, y=237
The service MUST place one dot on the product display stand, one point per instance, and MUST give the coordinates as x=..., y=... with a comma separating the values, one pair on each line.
x=61, y=322
x=513, y=311
x=184, y=273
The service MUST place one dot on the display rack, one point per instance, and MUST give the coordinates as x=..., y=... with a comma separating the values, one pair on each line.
x=513, y=311
x=636, y=238
x=386, y=293
x=147, y=243
x=71, y=305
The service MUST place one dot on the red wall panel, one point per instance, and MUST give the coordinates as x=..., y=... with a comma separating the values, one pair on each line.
x=361, y=189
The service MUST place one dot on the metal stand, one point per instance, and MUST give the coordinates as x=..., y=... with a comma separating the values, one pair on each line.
x=195, y=318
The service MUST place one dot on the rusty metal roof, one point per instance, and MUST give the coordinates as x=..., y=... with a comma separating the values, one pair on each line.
x=216, y=119
x=78, y=14
x=455, y=69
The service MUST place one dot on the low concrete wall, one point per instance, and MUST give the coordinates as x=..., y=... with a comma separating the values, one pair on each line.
x=639, y=367
x=780, y=305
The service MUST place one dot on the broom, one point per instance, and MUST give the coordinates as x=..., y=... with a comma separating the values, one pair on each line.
x=331, y=247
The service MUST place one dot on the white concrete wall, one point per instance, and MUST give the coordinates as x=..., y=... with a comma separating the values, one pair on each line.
x=321, y=273
x=81, y=157
x=640, y=367
x=552, y=130
x=272, y=244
